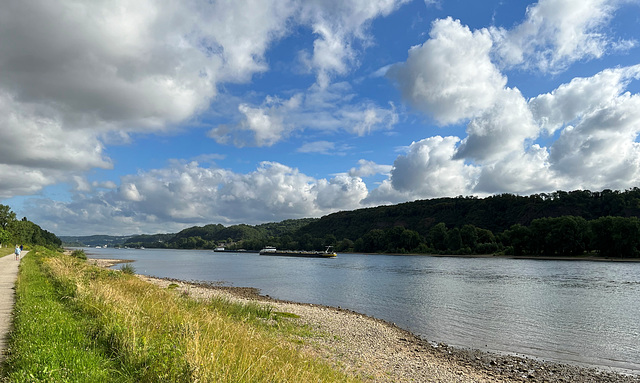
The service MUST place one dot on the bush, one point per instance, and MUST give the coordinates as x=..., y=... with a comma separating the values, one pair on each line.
x=79, y=254
x=128, y=268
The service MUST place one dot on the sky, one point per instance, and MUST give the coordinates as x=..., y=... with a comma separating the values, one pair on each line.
x=121, y=117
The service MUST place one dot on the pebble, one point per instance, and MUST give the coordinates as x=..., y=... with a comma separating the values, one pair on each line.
x=379, y=351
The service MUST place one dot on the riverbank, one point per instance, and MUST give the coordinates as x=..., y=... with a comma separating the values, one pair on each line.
x=382, y=352
x=76, y=322
x=541, y=257
x=593, y=258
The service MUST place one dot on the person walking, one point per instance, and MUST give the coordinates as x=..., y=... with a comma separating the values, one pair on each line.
x=17, y=251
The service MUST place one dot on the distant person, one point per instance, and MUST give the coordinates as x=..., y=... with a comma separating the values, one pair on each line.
x=17, y=251
x=21, y=248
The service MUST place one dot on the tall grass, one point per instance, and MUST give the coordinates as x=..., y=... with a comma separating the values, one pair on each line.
x=50, y=341
x=148, y=334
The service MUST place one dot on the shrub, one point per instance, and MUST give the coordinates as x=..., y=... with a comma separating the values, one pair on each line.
x=79, y=254
x=128, y=268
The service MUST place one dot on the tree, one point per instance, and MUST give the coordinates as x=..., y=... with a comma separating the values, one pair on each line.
x=6, y=216
x=345, y=245
x=454, y=239
x=518, y=238
x=469, y=236
x=616, y=236
x=438, y=236
x=4, y=237
x=410, y=240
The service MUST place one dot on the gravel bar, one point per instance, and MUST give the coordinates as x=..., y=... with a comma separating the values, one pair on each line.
x=379, y=351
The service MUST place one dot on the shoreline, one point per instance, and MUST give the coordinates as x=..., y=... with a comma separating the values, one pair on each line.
x=530, y=257
x=380, y=351
x=584, y=258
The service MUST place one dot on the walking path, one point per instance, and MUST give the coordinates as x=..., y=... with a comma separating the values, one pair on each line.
x=8, y=276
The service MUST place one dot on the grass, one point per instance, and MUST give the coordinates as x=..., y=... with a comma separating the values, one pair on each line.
x=128, y=268
x=79, y=254
x=76, y=322
x=51, y=341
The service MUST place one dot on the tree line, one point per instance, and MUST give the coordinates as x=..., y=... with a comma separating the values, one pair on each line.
x=21, y=232
x=559, y=223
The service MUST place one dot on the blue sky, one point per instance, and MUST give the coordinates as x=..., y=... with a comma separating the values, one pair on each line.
x=153, y=116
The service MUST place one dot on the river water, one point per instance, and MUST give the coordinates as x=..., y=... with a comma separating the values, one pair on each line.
x=577, y=312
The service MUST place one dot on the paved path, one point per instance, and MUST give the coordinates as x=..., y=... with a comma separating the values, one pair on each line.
x=8, y=276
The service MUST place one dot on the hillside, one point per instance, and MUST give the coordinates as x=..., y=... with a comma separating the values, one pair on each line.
x=556, y=223
x=93, y=240
x=213, y=235
x=496, y=213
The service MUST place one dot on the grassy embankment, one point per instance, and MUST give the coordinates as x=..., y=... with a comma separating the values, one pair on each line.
x=76, y=322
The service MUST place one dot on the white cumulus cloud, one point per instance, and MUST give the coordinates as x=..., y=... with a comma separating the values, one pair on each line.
x=450, y=76
x=185, y=194
x=556, y=33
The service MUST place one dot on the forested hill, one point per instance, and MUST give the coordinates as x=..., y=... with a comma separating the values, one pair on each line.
x=24, y=232
x=211, y=236
x=496, y=213
x=562, y=223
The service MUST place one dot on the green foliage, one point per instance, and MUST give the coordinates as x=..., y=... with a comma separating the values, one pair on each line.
x=93, y=240
x=438, y=236
x=27, y=232
x=5, y=236
x=6, y=216
x=559, y=223
x=24, y=231
x=121, y=329
x=50, y=342
x=495, y=213
x=128, y=268
x=616, y=236
x=80, y=254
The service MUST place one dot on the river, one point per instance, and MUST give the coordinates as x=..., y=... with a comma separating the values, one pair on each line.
x=578, y=312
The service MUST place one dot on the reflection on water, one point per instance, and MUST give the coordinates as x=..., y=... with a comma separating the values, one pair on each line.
x=582, y=312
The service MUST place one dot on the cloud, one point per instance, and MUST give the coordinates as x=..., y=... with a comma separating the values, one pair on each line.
x=342, y=192
x=36, y=150
x=368, y=168
x=500, y=130
x=599, y=124
x=450, y=76
x=339, y=25
x=570, y=102
x=322, y=147
x=596, y=117
x=76, y=75
x=521, y=172
x=184, y=194
x=557, y=33
x=601, y=150
x=325, y=110
x=430, y=170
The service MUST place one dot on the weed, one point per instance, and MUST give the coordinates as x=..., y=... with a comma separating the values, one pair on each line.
x=128, y=268
x=80, y=254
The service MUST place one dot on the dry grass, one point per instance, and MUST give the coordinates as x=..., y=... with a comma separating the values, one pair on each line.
x=160, y=335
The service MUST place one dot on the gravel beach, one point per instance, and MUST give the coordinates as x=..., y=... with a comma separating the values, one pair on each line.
x=379, y=351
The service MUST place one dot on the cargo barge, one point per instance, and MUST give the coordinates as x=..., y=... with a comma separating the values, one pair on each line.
x=270, y=250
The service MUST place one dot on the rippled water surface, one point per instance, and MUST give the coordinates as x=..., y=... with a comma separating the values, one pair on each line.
x=568, y=311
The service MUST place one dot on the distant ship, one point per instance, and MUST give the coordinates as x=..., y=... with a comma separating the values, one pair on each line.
x=223, y=250
x=328, y=253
